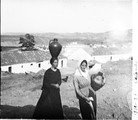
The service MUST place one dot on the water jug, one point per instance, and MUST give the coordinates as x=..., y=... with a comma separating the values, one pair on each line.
x=97, y=84
x=54, y=47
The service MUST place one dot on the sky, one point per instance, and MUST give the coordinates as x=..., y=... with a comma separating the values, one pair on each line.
x=63, y=16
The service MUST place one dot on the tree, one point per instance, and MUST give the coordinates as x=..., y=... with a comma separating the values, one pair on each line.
x=28, y=42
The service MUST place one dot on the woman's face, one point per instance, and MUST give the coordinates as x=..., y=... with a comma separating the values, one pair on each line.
x=83, y=66
x=55, y=64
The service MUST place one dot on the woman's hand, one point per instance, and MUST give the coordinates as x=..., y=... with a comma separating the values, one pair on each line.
x=89, y=99
x=55, y=85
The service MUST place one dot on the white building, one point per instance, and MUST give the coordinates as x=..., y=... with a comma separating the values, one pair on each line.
x=77, y=54
x=80, y=54
x=32, y=66
x=28, y=61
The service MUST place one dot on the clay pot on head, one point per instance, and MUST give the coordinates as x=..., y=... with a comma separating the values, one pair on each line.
x=54, y=47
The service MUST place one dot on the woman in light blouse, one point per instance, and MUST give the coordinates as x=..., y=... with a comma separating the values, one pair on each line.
x=85, y=92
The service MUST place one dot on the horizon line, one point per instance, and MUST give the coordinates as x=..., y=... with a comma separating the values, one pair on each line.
x=57, y=32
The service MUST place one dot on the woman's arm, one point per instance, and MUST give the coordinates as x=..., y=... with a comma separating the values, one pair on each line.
x=59, y=81
x=77, y=90
x=45, y=81
x=57, y=85
x=46, y=84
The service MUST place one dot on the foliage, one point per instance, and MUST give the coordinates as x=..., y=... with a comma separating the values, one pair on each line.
x=28, y=42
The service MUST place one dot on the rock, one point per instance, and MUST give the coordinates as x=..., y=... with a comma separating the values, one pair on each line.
x=119, y=105
x=113, y=115
x=114, y=90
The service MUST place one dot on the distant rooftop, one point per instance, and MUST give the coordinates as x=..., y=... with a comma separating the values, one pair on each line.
x=17, y=57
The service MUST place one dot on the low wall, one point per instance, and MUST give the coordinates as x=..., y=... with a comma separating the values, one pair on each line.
x=106, y=58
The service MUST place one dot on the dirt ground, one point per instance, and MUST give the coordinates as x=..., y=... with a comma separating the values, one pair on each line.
x=20, y=93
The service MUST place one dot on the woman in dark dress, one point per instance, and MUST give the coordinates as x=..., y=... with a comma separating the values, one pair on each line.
x=49, y=105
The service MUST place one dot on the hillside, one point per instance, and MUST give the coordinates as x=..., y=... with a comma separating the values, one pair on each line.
x=11, y=53
x=64, y=38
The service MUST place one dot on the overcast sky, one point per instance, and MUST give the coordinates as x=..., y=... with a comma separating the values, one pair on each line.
x=65, y=15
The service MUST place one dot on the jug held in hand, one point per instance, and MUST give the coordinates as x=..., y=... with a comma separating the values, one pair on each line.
x=97, y=81
x=54, y=47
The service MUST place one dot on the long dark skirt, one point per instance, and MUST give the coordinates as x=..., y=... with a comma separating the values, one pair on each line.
x=86, y=110
x=49, y=105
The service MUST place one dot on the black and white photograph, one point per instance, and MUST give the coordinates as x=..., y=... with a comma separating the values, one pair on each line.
x=68, y=59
